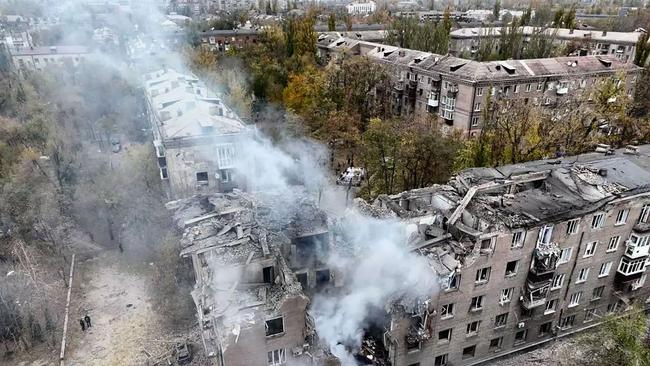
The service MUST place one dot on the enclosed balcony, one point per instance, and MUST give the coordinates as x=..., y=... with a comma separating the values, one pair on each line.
x=562, y=88
x=545, y=258
x=433, y=100
x=637, y=246
x=534, y=294
x=629, y=268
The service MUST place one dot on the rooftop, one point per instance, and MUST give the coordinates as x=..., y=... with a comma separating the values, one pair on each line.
x=51, y=50
x=562, y=33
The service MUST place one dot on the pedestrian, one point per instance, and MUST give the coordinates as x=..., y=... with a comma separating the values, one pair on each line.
x=83, y=325
x=87, y=319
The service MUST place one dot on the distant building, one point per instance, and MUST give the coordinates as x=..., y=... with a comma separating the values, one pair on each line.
x=621, y=45
x=195, y=134
x=457, y=89
x=367, y=7
x=223, y=40
x=37, y=58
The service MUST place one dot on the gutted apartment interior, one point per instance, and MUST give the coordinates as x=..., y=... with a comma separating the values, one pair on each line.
x=522, y=253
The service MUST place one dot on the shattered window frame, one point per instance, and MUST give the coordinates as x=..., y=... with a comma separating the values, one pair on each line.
x=495, y=345
x=644, y=217
x=567, y=322
x=558, y=278
x=518, y=238
x=550, y=306
x=621, y=216
x=446, y=339
x=482, y=275
x=267, y=329
x=477, y=303
x=520, y=336
x=202, y=177
x=454, y=282
x=506, y=295
x=639, y=282
x=597, y=293
x=276, y=357
x=543, y=331
x=589, y=315
x=572, y=226
x=468, y=352
x=472, y=328
x=565, y=258
x=514, y=271
x=612, y=245
x=447, y=311
x=441, y=360
x=590, y=249
x=501, y=320
x=597, y=221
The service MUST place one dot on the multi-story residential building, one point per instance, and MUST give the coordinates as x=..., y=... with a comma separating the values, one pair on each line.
x=621, y=45
x=361, y=7
x=524, y=254
x=37, y=58
x=223, y=40
x=195, y=134
x=530, y=252
x=457, y=89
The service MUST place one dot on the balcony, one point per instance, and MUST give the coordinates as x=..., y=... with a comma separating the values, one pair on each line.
x=399, y=86
x=561, y=90
x=534, y=294
x=642, y=227
x=433, y=102
x=545, y=258
x=637, y=246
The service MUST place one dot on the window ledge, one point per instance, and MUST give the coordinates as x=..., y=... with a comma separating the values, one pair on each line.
x=611, y=250
x=555, y=288
x=580, y=281
x=572, y=305
x=278, y=335
x=620, y=224
x=470, y=335
x=549, y=312
x=475, y=310
x=603, y=275
x=480, y=283
x=446, y=317
x=510, y=275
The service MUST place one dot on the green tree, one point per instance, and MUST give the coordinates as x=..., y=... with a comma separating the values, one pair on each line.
x=558, y=17
x=642, y=50
x=331, y=22
x=569, y=18
x=496, y=11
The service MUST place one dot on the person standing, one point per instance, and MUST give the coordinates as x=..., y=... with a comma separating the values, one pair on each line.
x=87, y=319
x=83, y=325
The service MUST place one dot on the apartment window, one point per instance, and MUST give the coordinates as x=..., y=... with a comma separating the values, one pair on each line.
x=558, y=281
x=224, y=175
x=447, y=311
x=540, y=86
x=483, y=275
x=528, y=87
x=597, y=221
x=590, y=249
x=506, y=295
x=645, y=214
x=572, y=226
x=583, y=275
x=567, y=321
x=501, y=320
x=474, y=121
x=604, y=269
x=276, y=357
x=477, y=303
x=495, y=343
x=575, y=299
x=621, y=216
x=444, y=335
x=565, y=255
x=472, y=328
x=441, y=360
x=477, y=107
x=597, y=293
x=454, y=282
x=550, y=306
x=225, y=156
x=589, y=315
x=520, y=336
x=545, y=234
x=468, y=352
x=613, y=307
x=545, y=329
x=274, y=326
x=511, y=268
x=613, y=243
x=202, y=177
x=583, y=83
x=267, y=274
x=517, y=239
x=479, y=92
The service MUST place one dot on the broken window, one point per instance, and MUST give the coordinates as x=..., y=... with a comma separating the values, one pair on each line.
x=225, y=156
x=565, y=255
x=454, y=282
x=488, y=244
x=501, y=320
x=322, y=277
x=645, y=214
x=441, y=360
x=520, y=336
x=589, y=315
x=572, y=226
x=274, y=326
x=472, y=328
x=557, y=282
x=550, y=306
x=545, y=234
x=468, y=352
x=583, y=275
x=517, y=239
x=412, y=346
x=511, y=268
x=597, y=221
x=444, y=335
x=621, y=216
x=604, y=269
x=477, y=303
x=163, y=173
x=597, y=293
x=496, y=343
x=613, y=243
x=575, y=299
x=483, y=275
x=545, y=328
x=506, y=295
x=639, y=282
x=267, y=274
x=224, y=175
x=202, y=177
x=447, y=311
x=302, y=278
x=590, y=249
x=276, y=357
x=567, y=322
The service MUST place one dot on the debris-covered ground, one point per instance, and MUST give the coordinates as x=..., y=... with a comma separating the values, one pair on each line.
x=556, y=353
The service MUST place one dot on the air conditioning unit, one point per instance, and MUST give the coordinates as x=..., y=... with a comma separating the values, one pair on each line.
x=521, y=325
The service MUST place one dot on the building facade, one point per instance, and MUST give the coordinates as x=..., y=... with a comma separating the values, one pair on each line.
x=38, y=58
x=456, y=90
x=622, y=45
x=195, y=134
x=366, y=7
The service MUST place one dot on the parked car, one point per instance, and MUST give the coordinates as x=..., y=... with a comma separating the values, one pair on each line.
x=115, y=144
x=183, y=355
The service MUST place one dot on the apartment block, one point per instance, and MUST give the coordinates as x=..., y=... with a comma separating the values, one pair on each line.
x=195, y=134
x=38, y=58
x=621, y=45
x=456, y=90
x=537, y=251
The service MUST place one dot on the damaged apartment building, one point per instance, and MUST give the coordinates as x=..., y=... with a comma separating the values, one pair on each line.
x=257, y=259
x=458, y=90
x=195, y=134
x=523, y=254
x=526, y=253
